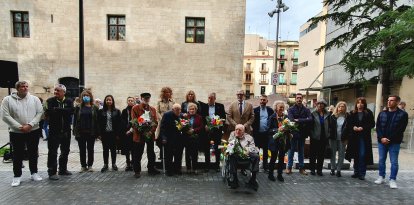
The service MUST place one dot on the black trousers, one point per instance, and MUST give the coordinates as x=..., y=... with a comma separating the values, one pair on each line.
x=279, y=153
x=108, y=143
x=317, y=154
x=236, y=161
x=19, y=142
x=173, y=156
x=191, y=154
x=138, y=151
x=86, y=142
x=261, y=139
x=214, y=135
x=55, y=141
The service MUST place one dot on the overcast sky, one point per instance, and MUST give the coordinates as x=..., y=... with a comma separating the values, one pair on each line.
x=258, y=21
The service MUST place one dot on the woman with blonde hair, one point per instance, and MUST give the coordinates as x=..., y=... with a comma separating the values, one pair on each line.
x=166, y=101
x=338, y=136
x=190, y=97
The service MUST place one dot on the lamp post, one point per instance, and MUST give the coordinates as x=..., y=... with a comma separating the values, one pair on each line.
x=81, y=50
x=280, y=7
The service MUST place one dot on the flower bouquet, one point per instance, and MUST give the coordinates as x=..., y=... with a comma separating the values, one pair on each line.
x=234, y=147
x=287, y=128
x=214, y=122
x=144, y=125
x=184, y=126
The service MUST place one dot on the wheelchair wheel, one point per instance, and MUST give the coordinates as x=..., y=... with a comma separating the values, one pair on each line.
x=225, y=170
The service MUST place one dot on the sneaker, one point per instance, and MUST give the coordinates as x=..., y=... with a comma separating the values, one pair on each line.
x=54, y=177
x=15, y=182
x=393, y=184
x=289, y=171
x=83, y=169
x=35, y=177
x=380, y=180
x=90, y=169
x=332, y=173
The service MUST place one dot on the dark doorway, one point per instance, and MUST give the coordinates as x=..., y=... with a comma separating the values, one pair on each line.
x=72, y=86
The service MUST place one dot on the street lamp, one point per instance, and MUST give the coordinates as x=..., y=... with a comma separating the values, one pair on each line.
x=280, y=7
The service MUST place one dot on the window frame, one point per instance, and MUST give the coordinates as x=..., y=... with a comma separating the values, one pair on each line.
x=22, y=22
x=117, y=25
x=195, y=28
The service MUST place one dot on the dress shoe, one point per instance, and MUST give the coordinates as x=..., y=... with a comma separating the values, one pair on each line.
x=137, y=175
x=170, y=174
x=153, y=171
x=65, y=173
x=319, y=173
x=338, y=173
x=361, y=177
x=289, y=171
x=128, y=168
x=355, y=176
x=280, y=178
x=271, y=177
x=114, y=167
x=234, y=184
x=104, y=168
x=332, y=173
x=54, y=177
x=312, y=172
x=303, y=172
x=243, y=172
x=253, y=184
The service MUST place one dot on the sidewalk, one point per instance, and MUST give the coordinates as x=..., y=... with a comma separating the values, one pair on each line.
x=208, y=188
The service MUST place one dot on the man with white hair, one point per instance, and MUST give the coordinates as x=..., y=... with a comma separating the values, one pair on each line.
x=58, y=111
x=22, y=111
x=249, y=148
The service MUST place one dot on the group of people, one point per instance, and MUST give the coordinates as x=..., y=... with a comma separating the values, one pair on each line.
x=347, y=133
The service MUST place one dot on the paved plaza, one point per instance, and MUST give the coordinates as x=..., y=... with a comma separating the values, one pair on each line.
x=206, y=188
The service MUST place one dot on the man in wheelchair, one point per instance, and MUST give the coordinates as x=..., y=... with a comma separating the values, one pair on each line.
x=248, y=155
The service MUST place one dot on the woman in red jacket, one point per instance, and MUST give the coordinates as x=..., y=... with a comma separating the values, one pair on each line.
x=191, y=138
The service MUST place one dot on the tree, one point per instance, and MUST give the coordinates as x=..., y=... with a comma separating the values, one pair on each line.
x=379, y=36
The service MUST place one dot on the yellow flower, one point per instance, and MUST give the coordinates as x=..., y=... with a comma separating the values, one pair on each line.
x=285, y=121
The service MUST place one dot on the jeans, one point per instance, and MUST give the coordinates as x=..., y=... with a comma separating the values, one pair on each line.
x=46, y=128
x=360, y=167
x=19, y=141
x=298, y=142
x=337, y=146
x=53, y=143
x=393, y=150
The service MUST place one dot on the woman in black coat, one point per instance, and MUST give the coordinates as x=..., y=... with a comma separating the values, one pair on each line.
x=109, y=119
x=277, y=147
x=361, y=121
x=126, y=133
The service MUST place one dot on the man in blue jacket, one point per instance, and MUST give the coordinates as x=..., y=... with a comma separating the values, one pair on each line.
x=391, y=124
x=302, y=116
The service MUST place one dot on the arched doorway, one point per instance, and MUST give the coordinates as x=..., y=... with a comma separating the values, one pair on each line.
x=72, y=86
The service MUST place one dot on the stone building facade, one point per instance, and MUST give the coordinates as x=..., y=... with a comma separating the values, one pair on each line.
x=131, y=46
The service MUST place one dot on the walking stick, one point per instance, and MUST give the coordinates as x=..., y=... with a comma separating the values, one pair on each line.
x=163, y=159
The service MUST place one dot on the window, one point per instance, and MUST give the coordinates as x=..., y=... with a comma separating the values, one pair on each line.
x=294, y=79
x=295, y=61
x=116, y=28
x=282, y=78
x=248, y=77
x=248, y=66
x=21, y=24
x=194, y=30
x=263, y=66
x=296, y=53
x=282, y=53
x=263, y=78
x=282, y=66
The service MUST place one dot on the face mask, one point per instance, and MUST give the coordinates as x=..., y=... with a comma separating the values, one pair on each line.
x=86, y=99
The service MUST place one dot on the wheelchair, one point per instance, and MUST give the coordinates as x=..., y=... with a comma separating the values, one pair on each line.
x=225, y=168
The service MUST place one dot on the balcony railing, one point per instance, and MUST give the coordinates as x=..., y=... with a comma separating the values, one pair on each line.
x=264, y=82
x=248, y=81
x=264, y=70
x=248, y=70
x=295, y=68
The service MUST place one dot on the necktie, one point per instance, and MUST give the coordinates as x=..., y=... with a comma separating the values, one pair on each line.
x=241, y=108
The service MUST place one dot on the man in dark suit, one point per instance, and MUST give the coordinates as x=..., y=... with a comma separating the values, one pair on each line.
x=172, y=140
x=210, y=109
x=260, y=129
